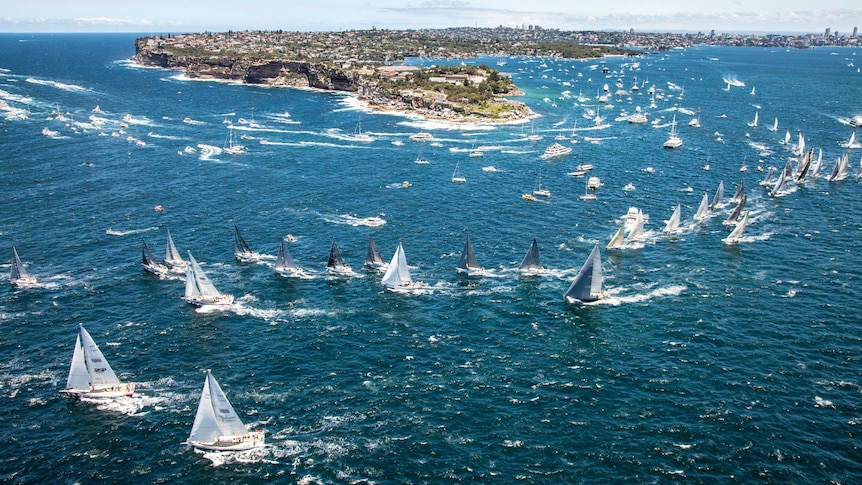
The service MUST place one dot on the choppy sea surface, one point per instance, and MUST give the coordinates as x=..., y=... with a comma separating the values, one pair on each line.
x=707, y=362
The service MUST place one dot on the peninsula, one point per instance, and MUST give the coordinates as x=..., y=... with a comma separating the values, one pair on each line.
x=369, y=65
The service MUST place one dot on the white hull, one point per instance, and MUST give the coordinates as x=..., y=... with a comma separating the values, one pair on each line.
x=25, y=282
x=247, y=257
x=156, y=269
x=255, y=439
x=103, y=392
x=290, y=272
x=223, y=300
x=471, y=271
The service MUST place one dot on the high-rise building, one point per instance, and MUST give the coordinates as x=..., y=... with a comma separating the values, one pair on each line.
x=854, y=31
x=828, y=29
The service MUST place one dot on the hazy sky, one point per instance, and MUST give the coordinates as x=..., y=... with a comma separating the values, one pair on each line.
x=159, y=16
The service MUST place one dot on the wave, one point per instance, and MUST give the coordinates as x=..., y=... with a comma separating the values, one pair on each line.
x=615, y=298
x=208, y=151
x=56, y=84
x=112, y=232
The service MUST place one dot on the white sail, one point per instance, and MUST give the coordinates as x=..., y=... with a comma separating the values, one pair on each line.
x=284, y=263
x=19, y=275
x=587, y=285
x=217, y=425
x=398, y=274
x=79, y=377
x=637, y=230
x=703, y=209
x=774, y=125
x=779, y=184
x=618, y=238
x=753, y=124
x=456, y=176
x=199, y=289
x=719, y=195
x=90, y=374
x=787, y=138
x=172, y=256
x=673, y=223
x=736, y=234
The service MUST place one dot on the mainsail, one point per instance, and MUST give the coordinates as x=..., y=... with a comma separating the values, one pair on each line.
x=531, y=260
x=637, y=230
x=733, y=218
x=587, y=285
x=149, y=261
x=398, y=274
x=468, y=261
x=241, y=250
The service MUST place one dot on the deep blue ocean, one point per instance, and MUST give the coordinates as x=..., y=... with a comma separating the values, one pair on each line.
x=706, y=363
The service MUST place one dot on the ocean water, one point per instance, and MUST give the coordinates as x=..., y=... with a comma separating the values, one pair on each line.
x=706, y=363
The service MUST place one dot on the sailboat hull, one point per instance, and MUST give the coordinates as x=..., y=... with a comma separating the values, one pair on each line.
x=255, y=439
x=103, y=392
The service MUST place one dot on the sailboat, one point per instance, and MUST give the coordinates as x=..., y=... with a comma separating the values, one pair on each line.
x=673, y=223
x=241, y=250
x=539, y=190
x=284, y=263
x=533, y=136
x=774, y=126
x=359, y=136
x=336, y=264
x=618, y=238
x=149, y=261
x=637, y=229
x=217, y=425
x=786, y=140
x=468, y=264
x=19, y=276
x=717, y=198
x=753, y=123
x=733, y=218
x=740, y=192
x=767, y=181
x=456, y=176
x=397, y=276
x=200, y=290
x=172, y=256
x=587, y=285
x=673, y=141
x=531, y=263
x=736, y=234
x=839, y=172
x=781, y=182
x=373, y=259
x=90, y=375
x=231, y=146
x=703, y=209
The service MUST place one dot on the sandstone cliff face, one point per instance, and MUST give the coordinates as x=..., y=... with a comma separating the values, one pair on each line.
x=276, y=72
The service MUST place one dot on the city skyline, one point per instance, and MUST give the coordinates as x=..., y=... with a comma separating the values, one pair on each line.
x=762, y=16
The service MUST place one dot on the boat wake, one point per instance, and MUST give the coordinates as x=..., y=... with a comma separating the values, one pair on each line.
x=208, y=151
x=375, y=221
x=112, y=232
x=732, y=80
x=266, y=454
x=616, y=297
x=132, y=405
x=55, y=84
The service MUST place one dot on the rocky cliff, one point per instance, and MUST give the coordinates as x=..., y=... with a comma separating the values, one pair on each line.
x=274, y=72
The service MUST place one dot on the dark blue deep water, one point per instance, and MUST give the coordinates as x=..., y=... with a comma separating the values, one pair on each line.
x=706, y=363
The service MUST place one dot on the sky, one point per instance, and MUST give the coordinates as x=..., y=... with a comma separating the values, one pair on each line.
x=162, y=16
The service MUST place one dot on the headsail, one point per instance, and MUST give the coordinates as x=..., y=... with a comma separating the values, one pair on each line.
x=398, y=274
x=637, y=230
x=618, y=238
x=172, y=256
x=587, y=285
x=199, y=289
x=531, y=260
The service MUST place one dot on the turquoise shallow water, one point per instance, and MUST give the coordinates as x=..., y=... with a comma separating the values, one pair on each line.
x=706, y=363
